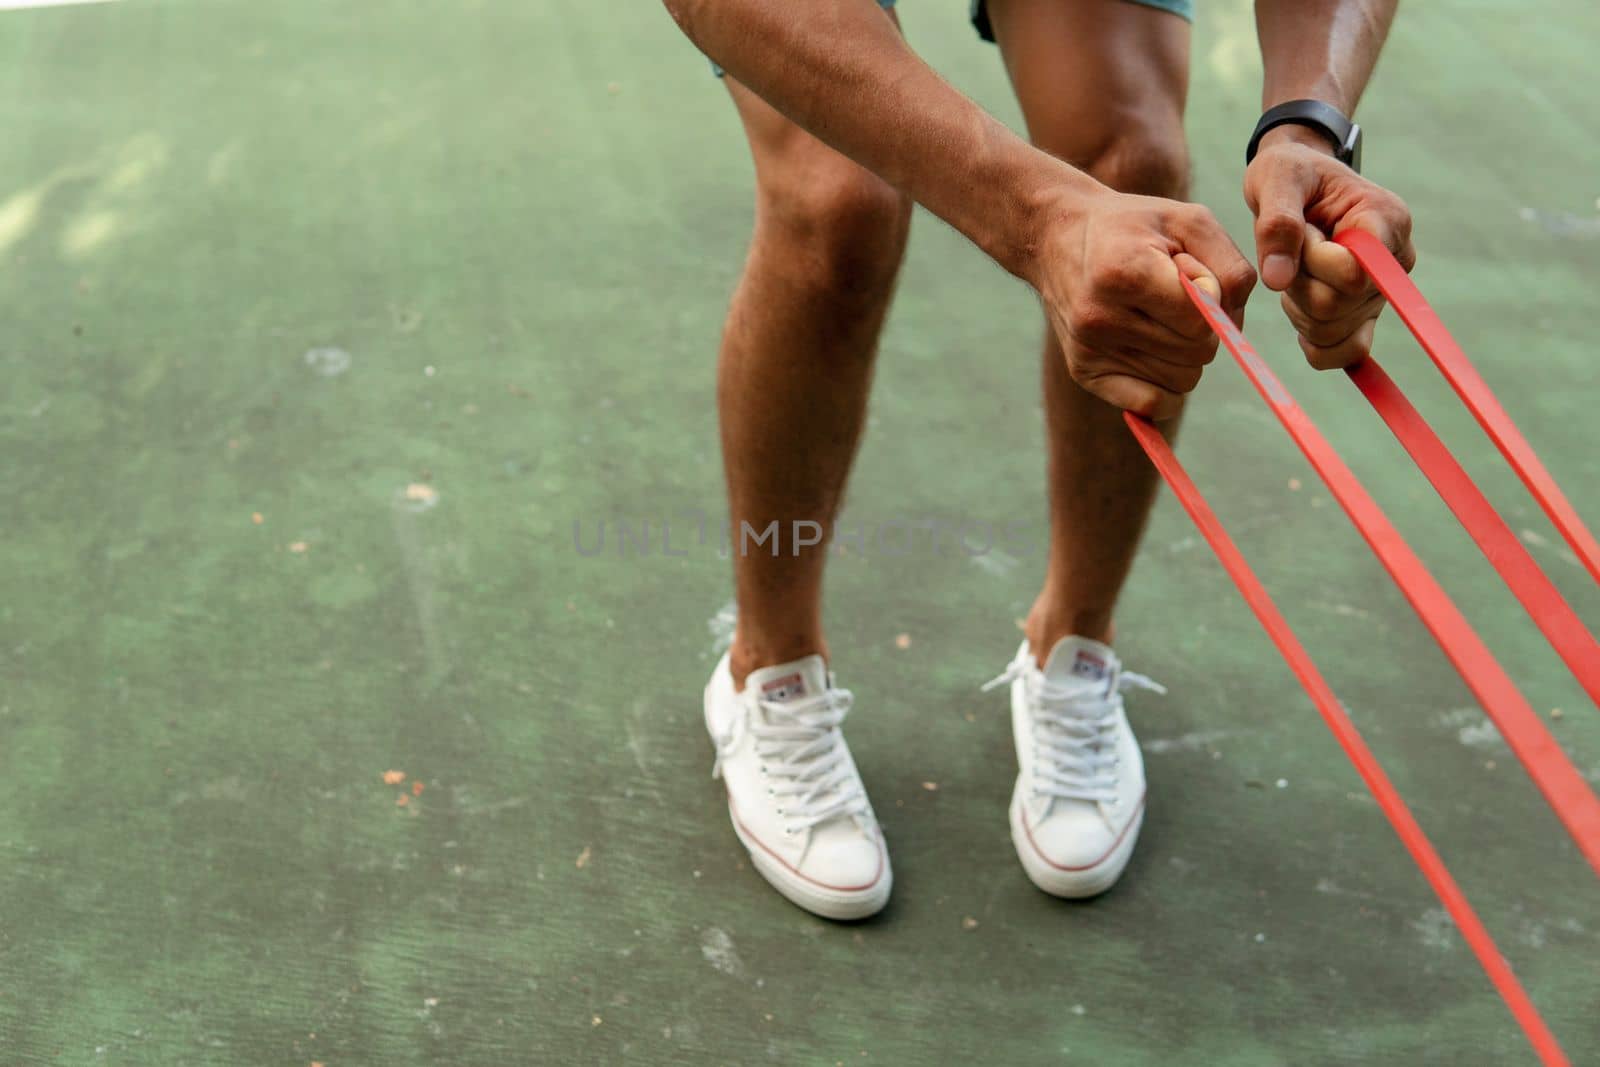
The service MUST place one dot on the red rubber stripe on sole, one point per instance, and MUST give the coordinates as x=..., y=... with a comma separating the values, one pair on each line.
x=1534, y=591
x=1425, y=325
x=1344, y=731
x=1566, y=791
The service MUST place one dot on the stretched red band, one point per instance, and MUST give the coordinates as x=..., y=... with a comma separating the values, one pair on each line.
x=1392, y=280
x=1534, y=591
x=1563, y=787
x=1349, y=738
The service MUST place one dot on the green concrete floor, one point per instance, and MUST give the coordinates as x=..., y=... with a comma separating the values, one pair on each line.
x=520, y=222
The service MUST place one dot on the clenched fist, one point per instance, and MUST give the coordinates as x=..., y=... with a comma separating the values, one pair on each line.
x=1108, y=271
x=1301, y=196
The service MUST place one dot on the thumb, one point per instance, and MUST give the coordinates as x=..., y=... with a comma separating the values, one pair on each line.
x=1280, y=230
x=1190, y=267
x=1333, y=263
x=1391, y=226
x=1206, y=282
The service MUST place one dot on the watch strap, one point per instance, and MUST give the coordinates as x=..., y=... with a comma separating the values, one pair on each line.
x=1343, y=134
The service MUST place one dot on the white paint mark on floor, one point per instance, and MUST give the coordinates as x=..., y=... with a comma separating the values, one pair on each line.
x=1436, y=929
x=492, y=807
x=1328, y=887
x=328, y=361
x=996, y=563
x=14, y=5
x=1348, y=611
x=1192, y=742
x=636, y=739
x=408, y=531
x=717, y=947
x=1480, y=735
x=1538, y=540
x=721, y=627
x=1472, y=728
x=1563, y=223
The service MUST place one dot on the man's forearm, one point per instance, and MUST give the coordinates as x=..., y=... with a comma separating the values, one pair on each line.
x=1320, y=49
x=840, y=70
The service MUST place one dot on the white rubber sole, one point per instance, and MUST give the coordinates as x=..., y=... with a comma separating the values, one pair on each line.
x=1076, y=883
x=842, y=904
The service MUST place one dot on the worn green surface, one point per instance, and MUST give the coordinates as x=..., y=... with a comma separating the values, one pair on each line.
x=546, y=204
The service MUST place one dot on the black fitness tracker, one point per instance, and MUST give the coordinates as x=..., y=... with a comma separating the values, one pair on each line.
x=1344, y=135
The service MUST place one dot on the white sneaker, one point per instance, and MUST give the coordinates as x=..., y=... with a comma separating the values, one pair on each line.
x=1079, y=798
x=794, y=794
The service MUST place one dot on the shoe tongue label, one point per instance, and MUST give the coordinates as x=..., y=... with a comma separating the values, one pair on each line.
x=1088, y=665
x=791, y=686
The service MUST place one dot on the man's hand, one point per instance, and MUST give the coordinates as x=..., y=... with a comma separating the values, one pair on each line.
x=1301, y=196
x=1107, y=270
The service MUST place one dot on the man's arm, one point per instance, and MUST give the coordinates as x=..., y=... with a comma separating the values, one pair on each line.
x=1321, y=50
x=1106, y=265
x=841, y=70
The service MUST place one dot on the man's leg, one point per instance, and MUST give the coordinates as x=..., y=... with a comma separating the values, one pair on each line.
x=792, y=382
x=1102, y=84
x=795, y=368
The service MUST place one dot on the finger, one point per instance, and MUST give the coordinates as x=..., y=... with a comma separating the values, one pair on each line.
x=1207, y=282
x=1330, y=331
x=1133, y=335
x=1280, y=209
x=1407, y=255
x=1202, y=278
x=1170, y=344
x=1210, y=251
x=1332, y=264
x=1387, y=218
x=1321, y=302
x=1173, y=377
x=1352, y=349
x=1166, y=302
x=1150, y=286
x=1135, y=395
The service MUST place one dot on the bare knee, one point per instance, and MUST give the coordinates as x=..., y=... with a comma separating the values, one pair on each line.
x=844, y=227
x=1134, y=153
x=1148, y=161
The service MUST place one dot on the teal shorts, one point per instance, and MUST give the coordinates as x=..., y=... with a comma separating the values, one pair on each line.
x=980, y=13
x=980, y=16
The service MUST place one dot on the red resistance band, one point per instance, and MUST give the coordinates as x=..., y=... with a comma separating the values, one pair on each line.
x=1563, y=787
x=1349, y=738
x=1425, y=325
x=1538, y=596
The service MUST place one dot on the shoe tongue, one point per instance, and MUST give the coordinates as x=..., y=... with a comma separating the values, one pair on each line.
x=1080, y=661
x=799, y=679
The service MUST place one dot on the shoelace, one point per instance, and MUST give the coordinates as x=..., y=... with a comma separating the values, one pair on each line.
x=1074, y=750
x=803, y=758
